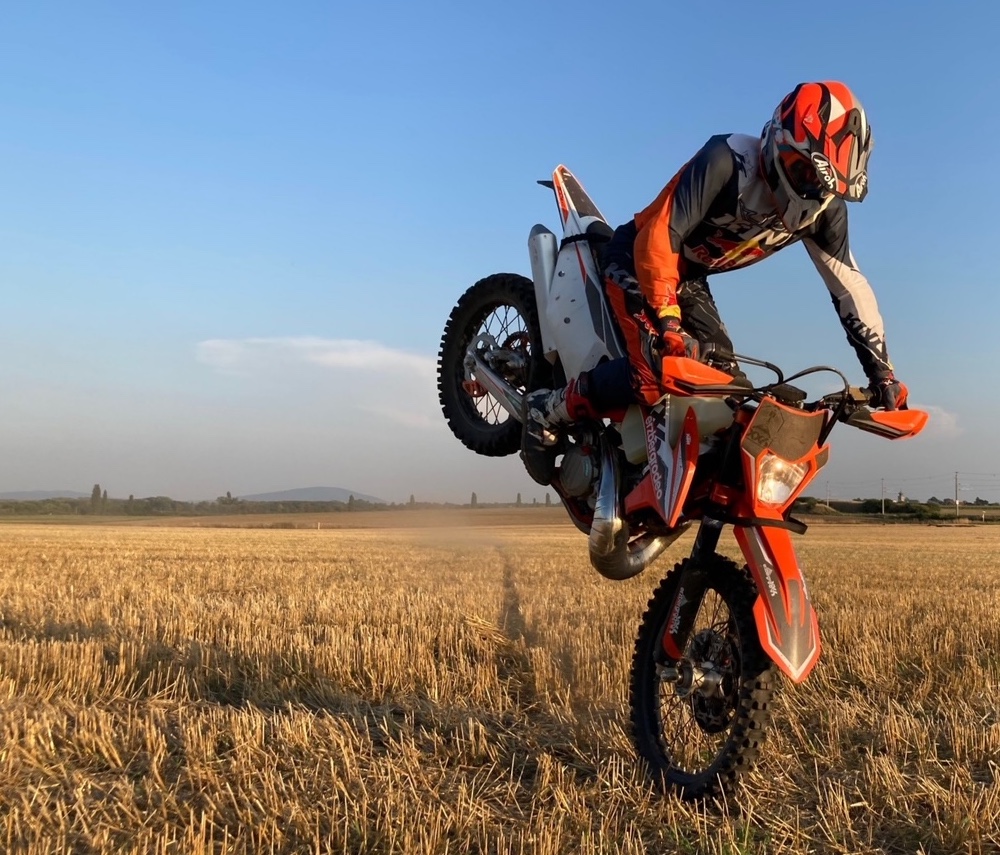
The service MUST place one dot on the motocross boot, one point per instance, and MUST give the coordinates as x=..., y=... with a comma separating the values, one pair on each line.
x=545, y=411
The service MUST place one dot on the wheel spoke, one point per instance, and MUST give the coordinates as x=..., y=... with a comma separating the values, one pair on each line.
x=489, y=409
x=506, y=322
x=685, y=724
x=689, y=727
x=715, y=611
x=674, y=702
x=509, y=330
x=496, y=322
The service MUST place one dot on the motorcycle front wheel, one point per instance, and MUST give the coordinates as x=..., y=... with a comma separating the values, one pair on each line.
x=698, y=722
x=502, y=306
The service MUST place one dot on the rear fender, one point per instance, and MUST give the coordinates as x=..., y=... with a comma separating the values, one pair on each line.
x=576, y=320
x=576, y=209
x=786, y=620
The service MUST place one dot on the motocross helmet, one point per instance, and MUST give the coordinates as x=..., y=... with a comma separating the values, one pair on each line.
x=815, y=148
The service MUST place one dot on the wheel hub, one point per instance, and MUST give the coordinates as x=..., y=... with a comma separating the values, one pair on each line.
x=701, y=681
x=695, y=679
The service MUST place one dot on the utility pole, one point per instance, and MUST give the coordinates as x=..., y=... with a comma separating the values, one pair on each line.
x=828, y=494
x=956, y=494
x=883, y=497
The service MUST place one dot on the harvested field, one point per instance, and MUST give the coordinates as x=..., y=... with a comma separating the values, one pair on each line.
x=460, y=685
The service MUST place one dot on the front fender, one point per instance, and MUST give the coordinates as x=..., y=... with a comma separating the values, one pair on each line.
x=786, y=620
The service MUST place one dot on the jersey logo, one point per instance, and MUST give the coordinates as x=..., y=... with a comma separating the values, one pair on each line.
x=762, y=221
x=719, y=252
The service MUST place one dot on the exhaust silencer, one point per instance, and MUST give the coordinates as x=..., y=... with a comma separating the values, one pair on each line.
x=611, y=553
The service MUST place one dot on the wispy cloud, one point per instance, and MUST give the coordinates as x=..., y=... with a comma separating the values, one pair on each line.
x=244, y=355
x=402, y=391
x=941, y=424
x=427, y=418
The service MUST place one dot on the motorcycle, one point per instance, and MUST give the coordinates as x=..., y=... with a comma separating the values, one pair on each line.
x=711, y=452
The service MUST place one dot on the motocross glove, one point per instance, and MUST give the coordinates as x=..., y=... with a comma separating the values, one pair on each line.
x=888, y=393
x=676, y=342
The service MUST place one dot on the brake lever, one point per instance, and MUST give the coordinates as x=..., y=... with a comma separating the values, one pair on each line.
x=852, y=400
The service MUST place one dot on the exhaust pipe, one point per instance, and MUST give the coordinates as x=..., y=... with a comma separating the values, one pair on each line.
x=610, y=551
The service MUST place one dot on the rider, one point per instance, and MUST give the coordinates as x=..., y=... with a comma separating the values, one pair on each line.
x=739, y=199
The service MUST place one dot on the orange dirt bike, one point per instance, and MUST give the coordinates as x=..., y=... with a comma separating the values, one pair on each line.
x=709, y=452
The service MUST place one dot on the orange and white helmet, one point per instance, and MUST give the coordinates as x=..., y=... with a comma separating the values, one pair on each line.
x=816, y=147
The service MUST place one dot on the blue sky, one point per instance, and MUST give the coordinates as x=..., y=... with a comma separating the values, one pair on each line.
x=231, y=233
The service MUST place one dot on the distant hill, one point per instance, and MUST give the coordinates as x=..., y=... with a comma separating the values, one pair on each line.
x=313, y=494
x=37, y=495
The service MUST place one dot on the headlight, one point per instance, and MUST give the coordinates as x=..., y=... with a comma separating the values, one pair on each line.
x=777, y=479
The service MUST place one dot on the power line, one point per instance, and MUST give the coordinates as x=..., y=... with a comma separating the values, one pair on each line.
x=957, y=481
x=899, y=480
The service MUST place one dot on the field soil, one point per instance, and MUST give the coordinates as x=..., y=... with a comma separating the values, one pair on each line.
x=423, y=682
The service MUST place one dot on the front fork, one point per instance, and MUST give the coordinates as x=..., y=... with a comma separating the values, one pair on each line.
x=691, y=589
x=786, y=621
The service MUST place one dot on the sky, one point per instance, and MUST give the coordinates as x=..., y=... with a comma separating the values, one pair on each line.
x=231, y=233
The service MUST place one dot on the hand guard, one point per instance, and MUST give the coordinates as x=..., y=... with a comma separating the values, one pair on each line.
x=888, y=393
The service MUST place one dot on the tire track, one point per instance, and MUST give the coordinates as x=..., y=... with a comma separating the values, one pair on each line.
x=513, y=662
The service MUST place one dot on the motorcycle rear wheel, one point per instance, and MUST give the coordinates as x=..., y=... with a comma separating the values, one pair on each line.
x=502, y=305
x=697, y=743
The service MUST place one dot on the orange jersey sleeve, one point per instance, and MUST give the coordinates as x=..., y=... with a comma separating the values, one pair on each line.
x=663, y=225
x=657, y=263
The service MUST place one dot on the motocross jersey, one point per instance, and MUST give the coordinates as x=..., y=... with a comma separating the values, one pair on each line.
x=718, y=214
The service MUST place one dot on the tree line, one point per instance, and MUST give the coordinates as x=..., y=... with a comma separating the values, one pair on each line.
x=99, y=503
x=932, y=509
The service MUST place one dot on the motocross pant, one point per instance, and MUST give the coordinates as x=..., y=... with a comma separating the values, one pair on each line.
x=641, y=333
x=636, y=378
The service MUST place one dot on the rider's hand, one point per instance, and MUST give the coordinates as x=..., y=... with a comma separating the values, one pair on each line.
x=676, y=342
x=888, y=393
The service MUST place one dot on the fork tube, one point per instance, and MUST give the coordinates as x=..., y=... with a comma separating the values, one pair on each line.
x=727, y=471
x=690, y=589
x=683, y=610
x=707, y=539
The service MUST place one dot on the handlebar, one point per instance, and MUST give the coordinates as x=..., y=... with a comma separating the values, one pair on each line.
x=851, y=405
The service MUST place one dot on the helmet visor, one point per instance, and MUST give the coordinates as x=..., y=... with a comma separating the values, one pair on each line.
x=801, y=174
x=798, y=205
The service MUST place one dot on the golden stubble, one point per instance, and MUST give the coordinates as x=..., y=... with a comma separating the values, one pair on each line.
x=441, y=688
